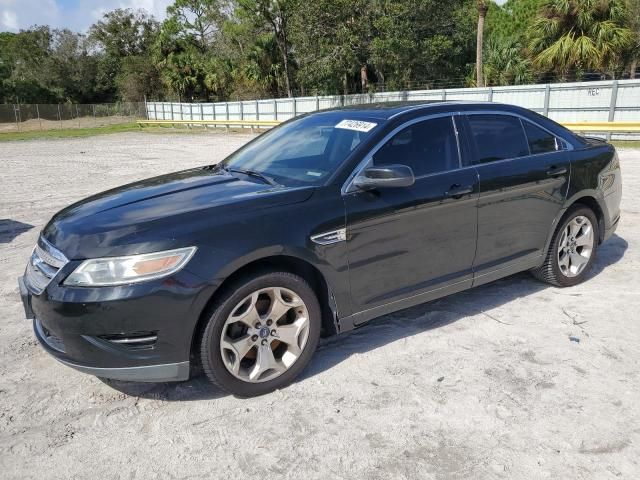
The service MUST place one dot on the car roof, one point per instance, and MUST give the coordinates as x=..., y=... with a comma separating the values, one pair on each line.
x=388, y=110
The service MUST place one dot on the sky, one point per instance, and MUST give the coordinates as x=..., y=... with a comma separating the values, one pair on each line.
x=76, y=15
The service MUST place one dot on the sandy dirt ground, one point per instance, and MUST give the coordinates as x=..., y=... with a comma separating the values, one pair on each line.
x=485, y=384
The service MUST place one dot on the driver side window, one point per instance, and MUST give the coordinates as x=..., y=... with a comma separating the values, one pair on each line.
x=427, y=147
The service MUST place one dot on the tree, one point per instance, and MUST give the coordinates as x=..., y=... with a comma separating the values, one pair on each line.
x=124, y=38
x=332, y=42
x=634, y=26
x=277, y=14
x=482, y=13
x=199, y=21
x=138, y=78
x=185, y=46
x=70, y=67
x=576, y=35
x=510, y=21
x=343, y=45
x=255, y=64
x=504, y=63
x=419, y=41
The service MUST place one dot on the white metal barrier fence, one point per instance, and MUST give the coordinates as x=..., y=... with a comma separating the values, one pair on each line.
x=602, y=101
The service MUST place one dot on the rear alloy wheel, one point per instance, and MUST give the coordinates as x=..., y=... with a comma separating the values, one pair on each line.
x=261, y=335
x=572, y=250
x=575, y=246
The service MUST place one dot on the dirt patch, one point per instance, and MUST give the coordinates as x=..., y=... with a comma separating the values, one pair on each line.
x=484, y=384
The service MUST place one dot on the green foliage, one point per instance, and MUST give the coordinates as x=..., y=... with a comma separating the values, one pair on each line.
x=209, y=50
x=420, y=40
x=504, y=63
x=396, y=42
x=124, y=70
x=580, y=35
x=511, y=21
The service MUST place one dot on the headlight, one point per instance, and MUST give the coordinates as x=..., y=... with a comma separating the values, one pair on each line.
x=132, y=269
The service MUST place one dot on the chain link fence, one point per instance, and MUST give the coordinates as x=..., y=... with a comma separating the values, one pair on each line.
x=25, y=118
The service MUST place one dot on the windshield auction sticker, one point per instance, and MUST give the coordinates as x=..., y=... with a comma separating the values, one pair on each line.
x=357, y=125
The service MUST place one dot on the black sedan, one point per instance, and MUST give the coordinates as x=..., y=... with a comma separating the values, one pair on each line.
x=315, y=227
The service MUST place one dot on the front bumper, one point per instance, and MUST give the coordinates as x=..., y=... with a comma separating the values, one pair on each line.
x=96, y=331
x=169, y=372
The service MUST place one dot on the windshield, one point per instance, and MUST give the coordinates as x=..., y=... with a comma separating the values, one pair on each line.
x=304, y=151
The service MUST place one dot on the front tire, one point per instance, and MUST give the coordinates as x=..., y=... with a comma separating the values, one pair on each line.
x=261, y=334
x=572, y=251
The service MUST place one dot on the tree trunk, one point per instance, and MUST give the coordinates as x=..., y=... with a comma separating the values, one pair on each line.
x=364, y=79
x=482, y=13
x=633, y=68
x=287, y=77
x=279, y=25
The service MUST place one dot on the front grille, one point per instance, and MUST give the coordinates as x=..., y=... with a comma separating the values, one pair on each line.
x=45, y=262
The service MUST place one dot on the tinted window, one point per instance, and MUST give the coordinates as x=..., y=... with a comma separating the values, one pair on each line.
x=427, y=147
x=540, y=141
x=498, y=137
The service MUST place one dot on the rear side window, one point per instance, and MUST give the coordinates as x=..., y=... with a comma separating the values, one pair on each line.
x=540, y=141
x=427, y=147
x=498, y=137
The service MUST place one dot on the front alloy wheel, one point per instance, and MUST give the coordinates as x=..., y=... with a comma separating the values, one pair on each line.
x=265, y=334
x=261, y=333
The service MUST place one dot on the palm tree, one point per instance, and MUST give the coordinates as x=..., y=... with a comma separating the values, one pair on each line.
x=482, y=13
x=505, y=63
x=580, y=35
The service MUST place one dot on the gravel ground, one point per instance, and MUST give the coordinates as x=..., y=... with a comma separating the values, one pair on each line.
x=484, y=384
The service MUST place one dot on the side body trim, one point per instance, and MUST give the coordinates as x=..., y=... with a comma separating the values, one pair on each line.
x=357, y=319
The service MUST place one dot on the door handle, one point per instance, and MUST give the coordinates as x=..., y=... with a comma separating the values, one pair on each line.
x=457, y=191
x=555, y=171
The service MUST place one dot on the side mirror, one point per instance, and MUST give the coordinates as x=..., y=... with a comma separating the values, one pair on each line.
x=387, y=176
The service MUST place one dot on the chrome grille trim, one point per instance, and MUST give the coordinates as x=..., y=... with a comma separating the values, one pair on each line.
x=44, y=264
x=50, y=254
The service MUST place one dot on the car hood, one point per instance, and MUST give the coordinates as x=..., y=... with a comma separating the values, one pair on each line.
x=161, y=212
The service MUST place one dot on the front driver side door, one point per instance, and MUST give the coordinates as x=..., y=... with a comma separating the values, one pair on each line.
x=408, y=241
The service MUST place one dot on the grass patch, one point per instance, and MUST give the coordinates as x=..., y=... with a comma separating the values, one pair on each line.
x=107, y=129
x=70, y=132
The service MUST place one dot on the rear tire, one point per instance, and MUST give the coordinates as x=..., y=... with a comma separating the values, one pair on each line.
x=261, y=334
x=572, y=250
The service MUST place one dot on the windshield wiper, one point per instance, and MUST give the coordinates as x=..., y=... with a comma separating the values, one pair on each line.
x=253, y=173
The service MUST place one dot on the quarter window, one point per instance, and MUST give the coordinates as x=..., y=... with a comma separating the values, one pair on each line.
x=498, y=137
x=540, y=141
x=427, y=147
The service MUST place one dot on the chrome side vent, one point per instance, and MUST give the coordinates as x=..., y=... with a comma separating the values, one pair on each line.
x=44, y=264
x=327, y=238
x=133, y=341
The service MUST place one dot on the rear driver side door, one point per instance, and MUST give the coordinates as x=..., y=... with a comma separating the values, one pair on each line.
x=524, y=178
